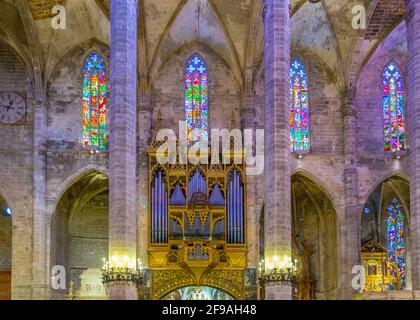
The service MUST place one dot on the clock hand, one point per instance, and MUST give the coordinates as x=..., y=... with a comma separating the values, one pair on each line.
x=7, y=108
x=13, y=100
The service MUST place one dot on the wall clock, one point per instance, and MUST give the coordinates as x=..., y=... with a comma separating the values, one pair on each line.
x=12, y=108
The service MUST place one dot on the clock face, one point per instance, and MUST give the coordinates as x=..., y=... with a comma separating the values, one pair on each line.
x=12, y=107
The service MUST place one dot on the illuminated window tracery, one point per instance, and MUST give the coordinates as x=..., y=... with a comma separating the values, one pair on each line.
x=196, y=100
x=94, y=134
x=393, y=109
x=396, y=237
x=299, y=108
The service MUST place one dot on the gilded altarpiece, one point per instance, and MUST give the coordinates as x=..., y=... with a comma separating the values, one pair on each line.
x=381, y=275
x=197, y=226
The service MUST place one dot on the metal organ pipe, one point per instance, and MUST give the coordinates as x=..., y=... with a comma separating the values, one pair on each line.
x=154, y=210
x=231, y=210
x=157, y=207
x=165, y=215
x=160, y=208
x=235, y=207
x=162, y=205
x=157, y=211
x=153, y=214
x=238, y=215
x=238, y=211
x=232, y=204
x=238, y=207
x=232, y=215
x=163, y=211
x=203, y=185
x=241, y=216
x=227, y=212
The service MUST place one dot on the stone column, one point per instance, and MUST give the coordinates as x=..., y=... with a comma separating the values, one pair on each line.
x=348, y=225
x=277, y=139
x=122, y=155
x=40, y=272
x=40, y=227
x=413, y=112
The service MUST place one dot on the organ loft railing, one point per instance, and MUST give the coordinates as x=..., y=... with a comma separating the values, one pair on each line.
x=197, y=225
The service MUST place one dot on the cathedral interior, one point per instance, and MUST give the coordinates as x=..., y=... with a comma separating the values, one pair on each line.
x=128, y=171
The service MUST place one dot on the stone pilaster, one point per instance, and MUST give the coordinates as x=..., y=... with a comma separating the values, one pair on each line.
x=348, y=225
x=144, y=137
x=122, y=167
x=248, y=114
x=277, y=138
x=40, y=272
x=413, y=40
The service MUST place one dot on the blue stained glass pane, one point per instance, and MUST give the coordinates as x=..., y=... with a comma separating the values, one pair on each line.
x=393, y=109
x=196, y=101
x=299, y=108
x=396, y=237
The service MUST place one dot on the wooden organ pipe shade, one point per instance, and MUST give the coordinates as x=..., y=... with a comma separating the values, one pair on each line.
x=159, y=209
x=235, y=209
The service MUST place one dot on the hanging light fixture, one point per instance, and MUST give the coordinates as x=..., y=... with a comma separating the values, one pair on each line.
x=123, y=273
x=6, y=211
x=278, y=271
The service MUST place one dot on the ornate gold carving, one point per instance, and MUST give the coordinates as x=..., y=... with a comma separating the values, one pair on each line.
x=380, y=273
x=188, y=261
x=232, y=281
x=166, y=281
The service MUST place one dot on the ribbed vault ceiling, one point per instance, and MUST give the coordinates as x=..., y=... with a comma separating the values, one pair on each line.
x=232, y=29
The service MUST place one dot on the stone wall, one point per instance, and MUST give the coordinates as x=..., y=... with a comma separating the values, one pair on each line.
x=314, y=225
x=5, y=243
x=66, y=159
x=65, y=97
x=167, y=94
x=16, y=169
x=88, y=239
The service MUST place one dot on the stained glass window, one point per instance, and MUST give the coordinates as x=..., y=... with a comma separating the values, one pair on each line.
x=196, y=100
x=393, y=109
x=299, y=108
x=94, y=135
x=396, y=237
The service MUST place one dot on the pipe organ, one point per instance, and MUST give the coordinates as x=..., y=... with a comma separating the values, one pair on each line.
x=197, y=225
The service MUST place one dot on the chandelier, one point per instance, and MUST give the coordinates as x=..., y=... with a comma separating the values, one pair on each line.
x=123, y=273
x=282, y=272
